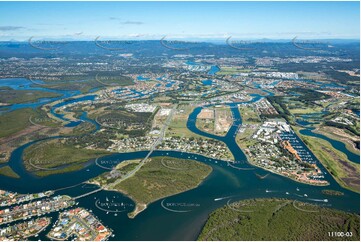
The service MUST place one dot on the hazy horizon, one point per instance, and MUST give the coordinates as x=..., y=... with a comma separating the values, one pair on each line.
x=179, y=20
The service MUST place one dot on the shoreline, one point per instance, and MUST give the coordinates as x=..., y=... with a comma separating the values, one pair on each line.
x=345, y=140
x=269, y=170
x=336, y=178
x=140, y=206
x=312, y=184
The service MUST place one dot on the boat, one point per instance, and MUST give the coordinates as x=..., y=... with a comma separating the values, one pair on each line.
x=287, y=193
x=297, y=189
x=305, y=195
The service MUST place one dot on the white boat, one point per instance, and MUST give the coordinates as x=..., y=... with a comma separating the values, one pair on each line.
x=305, y=195
x=287, y=193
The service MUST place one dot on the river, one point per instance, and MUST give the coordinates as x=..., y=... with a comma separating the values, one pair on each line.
x=157, y=222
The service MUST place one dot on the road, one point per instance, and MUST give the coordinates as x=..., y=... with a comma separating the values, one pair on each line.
x=88, y=193
x=153, y=147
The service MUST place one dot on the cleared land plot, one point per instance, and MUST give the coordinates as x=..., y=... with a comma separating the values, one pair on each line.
x=216, y=120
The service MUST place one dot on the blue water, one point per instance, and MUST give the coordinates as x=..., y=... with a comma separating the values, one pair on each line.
x=67, y=102
x=141, y=78
x=25, y=84
x=133, y=92
x=304, y=122
x=192, y=63
x=224, y=181
x=213, y=70
x=169, y=84
x=357, y=112
x=237, y=181
x=19, y=83
x=207, y=82
x=335, y=144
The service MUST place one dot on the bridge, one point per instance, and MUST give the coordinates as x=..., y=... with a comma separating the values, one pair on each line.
x=155, y=144
x=88, y=193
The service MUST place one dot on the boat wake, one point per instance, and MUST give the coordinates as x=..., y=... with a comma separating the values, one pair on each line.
x=318, y=200
x=222, y=198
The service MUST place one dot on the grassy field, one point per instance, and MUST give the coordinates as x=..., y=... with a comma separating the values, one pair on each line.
x=205, y=125
x=22, y=96
x=54, y=156
x=249, y=115
x=278, y=219
x=340, y=135
x=250, y=122
x=297, y=107
x=162, y=177
x=232, y=71
x=178, y=124
x=15, y=121
x=305, y=110
x=346, y=173
x=7, y=171
x=86, y=82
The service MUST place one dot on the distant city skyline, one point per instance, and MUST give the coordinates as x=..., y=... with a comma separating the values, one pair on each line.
x=179, y=20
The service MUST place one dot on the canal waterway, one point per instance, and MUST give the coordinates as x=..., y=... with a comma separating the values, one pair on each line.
x=161, y=221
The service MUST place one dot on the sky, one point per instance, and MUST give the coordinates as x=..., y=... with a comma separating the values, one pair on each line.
x=179, y=20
